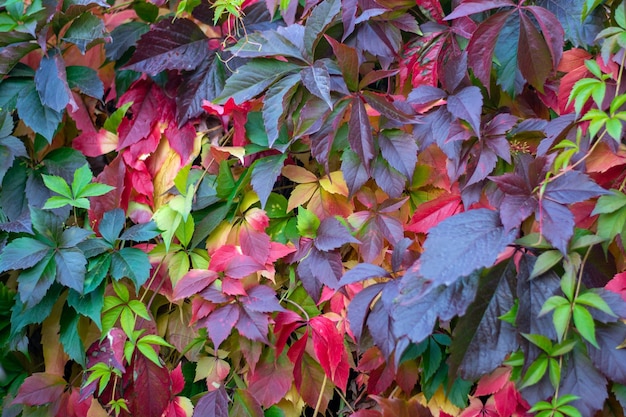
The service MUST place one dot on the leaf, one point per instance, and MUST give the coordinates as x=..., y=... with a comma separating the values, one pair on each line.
x=245, y=404
x=481, y=340
x=319, y=268
x=581, y=33
x=213, y=403
x=362, y=272
x=473, y=238
x=419, y=305
x=268, y=43
x=176, y=44
x=221, y=322
x=204, y=83
x=573, y=187
x=320, y=19
x=471, y=7
x=42, y=119
x=316, y=79
x=193, y=282
x=399, y=150
x=260, y=299
x=22, y=253
x=35, y=282
x=332, y=234
x=84, y=30
x=70, y=268
x=275, y=104
x=124, y=37
x=467, y=105
x=581, y=379
x=69, y=336
x=359, y=308
x=535, y=66
x=132, y=263
x=348, y=61
x=51, y=83
x=40, y=389
x=271, y=379
x=431, y=213
x=253, y=78
x=360, y=133
x=329, y=350
x=149, y=381
x=608, y=358
x=86, y=80
x=264, y=175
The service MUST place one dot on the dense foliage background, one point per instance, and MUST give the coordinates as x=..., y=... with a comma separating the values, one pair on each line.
x=366, y=208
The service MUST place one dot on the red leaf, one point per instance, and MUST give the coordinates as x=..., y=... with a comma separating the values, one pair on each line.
x=432, y=212
x=109, y=351
x=254, y=243
x=95, y=143
x=330, y=350
x=493, y=382
x=271, y=379
x=40, y=389
x=295, y=355
x=618, y=284
x=284, y=324
x=181, y=140
x=73, y=406
x=397, y=407
x=193, y=282
x=149, y=381
x=478, y=409
x=148, y=103
x=534, y=57
x=507, y=400
x=178, y=381
x=200, y=309
x=434, y=9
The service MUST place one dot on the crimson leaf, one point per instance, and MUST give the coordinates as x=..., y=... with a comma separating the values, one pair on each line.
x=176, y=44
x=474, y=239
x=481, y=340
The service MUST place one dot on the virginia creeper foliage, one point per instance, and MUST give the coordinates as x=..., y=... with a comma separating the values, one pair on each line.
x=366, y=208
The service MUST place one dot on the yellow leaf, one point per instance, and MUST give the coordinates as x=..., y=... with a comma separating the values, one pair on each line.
x=301, y=194
x=298, y=174
x=335, y=184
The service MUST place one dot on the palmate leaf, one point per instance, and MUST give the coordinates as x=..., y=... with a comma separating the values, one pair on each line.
x=481, y=340
x=474, y=239
x=176, y=44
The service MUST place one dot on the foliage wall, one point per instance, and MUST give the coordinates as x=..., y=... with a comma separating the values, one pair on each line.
x=366, y=208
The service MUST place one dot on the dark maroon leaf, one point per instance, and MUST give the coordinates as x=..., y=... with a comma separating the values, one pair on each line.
x=316, y=79
x=359, y=308
x=399, y=150
x=212, y=404
x=552, y=31
x=176, y=44
x=264, y=175
x=332, y=234
x=204, y=83
x=11, y=54
x=253, y=325
x=467, y=105
x=347, y=59
x=221, y=322
x=580, y=378
x=471, y=7
x=420, y=303
x=481, y=341
x=481, y=46
x=261, y=299
x=534, y=59
x=360, y=133
x=474, y=239
x=123, y=37
x=361, y=272
x=149, y=381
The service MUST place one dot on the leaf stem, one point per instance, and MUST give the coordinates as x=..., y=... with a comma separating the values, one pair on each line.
x=299, y=308
x=319, y=398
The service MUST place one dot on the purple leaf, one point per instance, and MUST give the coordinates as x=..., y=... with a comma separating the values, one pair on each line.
x=383, y=104
x=391, y=228
x=264, y=175
x=474, y=239
x=12, y=53
x=534, y=58
x=332, y=234
x=361, y=272
x=380, y=320
x=391, y=181
x=40, y=389
x=434, y=127
x=253, y=325
x=514, y=209
x=421, y=303
x=610, y=360
x=481, y=341
x=261, y=299
x=275, y=105
x=359, y=308
x=354, y=172
x=347, y=59
x=572, y=187
x=320, y=268
x=467, y=104
x=212, y=404
x=317, y=80
x=399, y=150
x=468, y=8
x=319, y=20
x=556, y=222
x=552, y=31
x=582, y=379
x=220, y=323
x=371, y=238
x=193, y=282
x=348, y=17
x=176, y=44
x=360, y=133
x=425, y=94
x=487, y=161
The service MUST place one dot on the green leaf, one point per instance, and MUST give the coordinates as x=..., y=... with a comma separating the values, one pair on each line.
x=132, y=263
x=614, y=128
x=113, y=122
x=561, y=320
x=554, y=372
x=85, y=80
x=71, y=268
x=82, y=177
x=69, y=336
x=552, y=303
x=127, y=321
x=43, y=120
x=592, y=299
x=583, y=321
x=89, y=305
x=57, y=184
x=35, y=282
x=84, y=31
x=139, y=309
x=535, y=371
x=541, y=341
x=22, y=253
x=307, y=223
x=545, y=262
